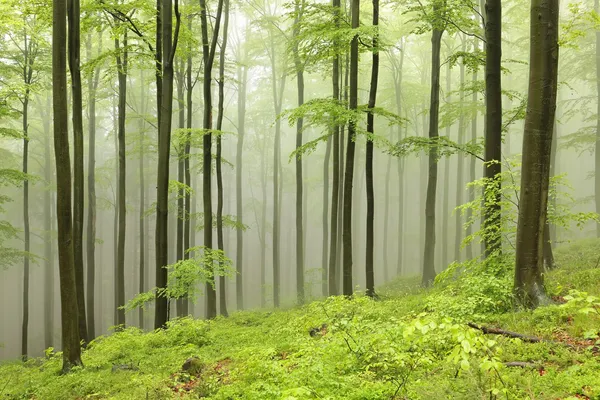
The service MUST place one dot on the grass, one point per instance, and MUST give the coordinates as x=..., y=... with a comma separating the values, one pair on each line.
x=412, y=344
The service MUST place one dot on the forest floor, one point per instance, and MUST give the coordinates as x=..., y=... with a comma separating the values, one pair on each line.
x=409, y=344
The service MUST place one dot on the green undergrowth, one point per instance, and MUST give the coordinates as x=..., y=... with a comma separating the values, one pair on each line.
x=409, y=344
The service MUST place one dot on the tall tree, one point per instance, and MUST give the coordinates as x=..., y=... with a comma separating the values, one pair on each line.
x=48, y=225
x=299, y=10
x=121, y=54
x=29, y=55
x=458, y=228
x=471, y=175
x=369, y=158
x=597, y=148
x=208, y=52
x=181, y=302
x=164, y=58
x=333, y=287
x=349, y=172
x=493, y=122
x=242, y=72
x=93, y=81
x=74, y=34
x=220, y=115
x=434, y=109
x=537, y=143
x=68, y=295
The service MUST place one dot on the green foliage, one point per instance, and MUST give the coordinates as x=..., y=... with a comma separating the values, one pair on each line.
x=184, y=276
x=363, y=349
x=443, y=145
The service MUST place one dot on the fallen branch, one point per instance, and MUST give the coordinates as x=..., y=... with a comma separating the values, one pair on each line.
x=523, y=364
x=526, y=338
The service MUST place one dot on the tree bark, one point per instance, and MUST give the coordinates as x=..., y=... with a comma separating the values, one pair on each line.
x=299, y=9
x=446, y=184
x=369, y=268
x=121, y=58
x=188, y=230
x=460, y=184
x=48, y=245
x=220, y=114
x=242, y=72
x=142, y=206
x=349, y=172
x=434, y=108
x=493, y=124
x=208, y=51
x=74, y=48
x=93, y=81
x=471, y=176
x=26, y=232
x=537, y=142
x=179, y=247
x=169, y=46
x=68, y=296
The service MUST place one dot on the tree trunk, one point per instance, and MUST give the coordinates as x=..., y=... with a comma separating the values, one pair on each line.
x=48, y=245
x=93, y=81
x=597, y=149
x=537, y=142
x=179, y=248
x=142, y=206
x=434, y=108
x=446, y=185
x=332, y=285
x=369, y=158
x=188, y=230
x=220, y=114
x=460, y=184
x=493, y=124
x=208, y=51
x=471, y=178
x=242, y=72
x=68, y=296
x=26, y=233
x=74, y=41
x=165, y=58
x=122, y=77
x=349, y=173
x=299, y=9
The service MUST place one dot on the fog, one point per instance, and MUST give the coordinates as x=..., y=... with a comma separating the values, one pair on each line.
x=256, y=46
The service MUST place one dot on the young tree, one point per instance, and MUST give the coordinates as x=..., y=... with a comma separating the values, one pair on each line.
x=164, y=58
x=220, y=115
x=68, y=295
x=537, y=143
x=208, y=52
x=493, y=121
x=369, y=158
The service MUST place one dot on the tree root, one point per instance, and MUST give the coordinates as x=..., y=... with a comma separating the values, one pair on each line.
x=526, y=338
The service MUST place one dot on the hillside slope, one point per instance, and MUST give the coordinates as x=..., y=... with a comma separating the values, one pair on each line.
x=411, y=344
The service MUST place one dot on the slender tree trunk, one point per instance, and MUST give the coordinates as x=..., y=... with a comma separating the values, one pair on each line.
x=93, y=81
x=208, y=51
x=122, y=77
x=471, y=178
x=335, y=187
x=340, y=223
x=220, y=114
x=537, y=143
x=169, y=46
x=187, y=225
x=446, y=184
x=398, y=90
x=179, y=248
x=263, y=230
x=68, y=296
x=242, y=72
x=460, y=184
x=434, y=108
x=349, y=173
x=369, y=268
x=116, y=215
x=142, y=219
x=74, y=47
x=277, y=103
x=493, y=124
x=48, y=245
x=26, y=233
x=597, y=149
x=299, y=8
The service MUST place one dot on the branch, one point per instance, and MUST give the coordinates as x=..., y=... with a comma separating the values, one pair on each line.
x=528, y=339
